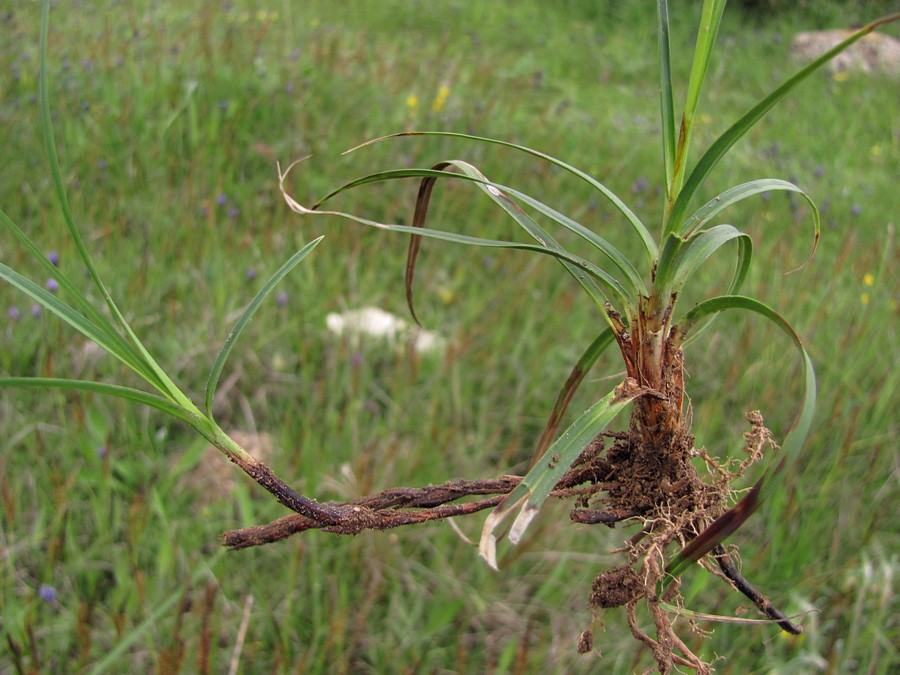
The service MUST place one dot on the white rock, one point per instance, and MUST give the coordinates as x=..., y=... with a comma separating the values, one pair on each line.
x=377, y=323
x=876, y=52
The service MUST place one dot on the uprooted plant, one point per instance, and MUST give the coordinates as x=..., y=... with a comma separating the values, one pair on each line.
x=645, y=475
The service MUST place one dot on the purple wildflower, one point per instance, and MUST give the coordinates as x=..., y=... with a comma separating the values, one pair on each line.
x=221, y=199
x=35, y=310
x=47, y=593
x=281, y=298
x=856, y=209
x=251, y=273
x=233, y=212
x=640, y=185
x=13, y=313
x=53, y=257
x=52, y=285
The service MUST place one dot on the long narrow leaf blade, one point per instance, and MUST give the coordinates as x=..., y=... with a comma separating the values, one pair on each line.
x=723, y=144
x=113, y=341
x=649, y=244
x=666, y=95
x=159, y=379
x=589, y=267
x=738, y=193
x=579, y=371
x=213, y=379
x=710, y=19
x=71, y=316
x=701, y=247
x=106, y=389
x=539, y=482
x=527, y=223
x=741, y=268
x=632, y=281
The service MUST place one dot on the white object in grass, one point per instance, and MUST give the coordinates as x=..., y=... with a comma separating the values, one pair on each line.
x=377, y=323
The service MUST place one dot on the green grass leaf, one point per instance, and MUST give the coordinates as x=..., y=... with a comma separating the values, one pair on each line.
x=666, y=94
x=589, y=267
x=102, y=335
x=106, y=389
x=497, y=194
x=649, y=245
x=710, y=19
x=700, y=247
x=213, y=379
x=626, y=291
x=740, y=192
x=159, y=378
x=723, y=144
x=567, y=391
x=102, y=330
x=539, y=482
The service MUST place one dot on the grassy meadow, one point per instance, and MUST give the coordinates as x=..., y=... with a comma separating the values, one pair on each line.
x=169, y=121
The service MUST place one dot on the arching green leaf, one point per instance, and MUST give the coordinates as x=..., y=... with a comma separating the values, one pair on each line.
x=695, y=252
x=101, y=326
x=159, y=379
x=100, y=334
x=723, y=144
x=774, y=477
x=247, y=315
x=649, y=245
x=587, y=266
x=740, y=192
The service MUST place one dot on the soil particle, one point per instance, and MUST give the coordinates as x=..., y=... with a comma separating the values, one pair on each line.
x=616, y=587
x=586, y=641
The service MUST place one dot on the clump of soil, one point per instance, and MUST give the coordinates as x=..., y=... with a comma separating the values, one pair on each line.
x=645, y=478
x=657, y=485
x=616, y=587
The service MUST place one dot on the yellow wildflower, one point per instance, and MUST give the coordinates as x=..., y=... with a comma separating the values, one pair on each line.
x=841, y=76
x=864, y=298
x=441, y=99
x=412, y=101
x=869, y=279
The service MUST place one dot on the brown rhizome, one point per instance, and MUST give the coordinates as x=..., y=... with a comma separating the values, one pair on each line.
x=618, y=479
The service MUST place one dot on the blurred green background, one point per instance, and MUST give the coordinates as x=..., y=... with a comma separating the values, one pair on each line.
x=169, y=121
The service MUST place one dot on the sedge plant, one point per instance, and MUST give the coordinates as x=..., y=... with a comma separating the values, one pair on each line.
x=648, y=475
